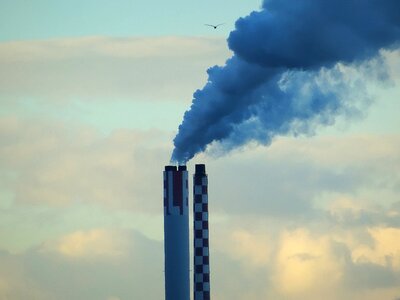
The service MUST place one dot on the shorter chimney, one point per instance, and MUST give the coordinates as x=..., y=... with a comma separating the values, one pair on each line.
x=201, y=264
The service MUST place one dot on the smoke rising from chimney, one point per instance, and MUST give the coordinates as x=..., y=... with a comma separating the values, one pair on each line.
x=271, y=85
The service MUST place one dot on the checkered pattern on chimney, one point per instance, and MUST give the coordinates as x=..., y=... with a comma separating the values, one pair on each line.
x=201, y=288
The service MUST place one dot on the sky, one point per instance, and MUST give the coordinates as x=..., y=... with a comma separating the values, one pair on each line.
x=91, y=97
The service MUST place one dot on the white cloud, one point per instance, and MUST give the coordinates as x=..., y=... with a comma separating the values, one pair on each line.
x=243, y=245
x=159, y=68
x=131, y=47
x=329, y=151
x=384, y=251
x=57, y=165
x=72, y=267
x=343, y=208
x=296, y=177
x=14, y=284
x=302, y=265
x=299, y=259
x=393, y=62
x=272, y=260
x=92, y=244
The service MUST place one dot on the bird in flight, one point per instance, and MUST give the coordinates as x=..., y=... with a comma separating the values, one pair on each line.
x=215, y=26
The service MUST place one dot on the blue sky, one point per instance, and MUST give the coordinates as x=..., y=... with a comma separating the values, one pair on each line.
x=25, y=20
x=91, y=97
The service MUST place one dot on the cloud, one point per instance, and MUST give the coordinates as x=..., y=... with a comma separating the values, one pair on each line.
x=384, y=251
x=393, y=58
x=319, y=205
x=251, y=259
x=362, y=276
x=93, y=244
x=52, y=273
x=253, y=247
x=49, y=162
x=104, y=67
x=14, y=284
x=361, y=212
x=59, y=163
x=298, y=177
x=302, y=262
x=288, y=259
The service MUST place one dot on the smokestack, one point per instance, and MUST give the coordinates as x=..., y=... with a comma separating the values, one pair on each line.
x=176, y=233
x=201, y=286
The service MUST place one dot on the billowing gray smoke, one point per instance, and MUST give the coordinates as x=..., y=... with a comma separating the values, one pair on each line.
x=248, y=98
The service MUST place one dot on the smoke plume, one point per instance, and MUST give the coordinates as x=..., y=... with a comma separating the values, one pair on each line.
x=271, y=85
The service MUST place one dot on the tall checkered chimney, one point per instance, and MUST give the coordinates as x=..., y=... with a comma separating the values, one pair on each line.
x=176, y=233
x=201, y=286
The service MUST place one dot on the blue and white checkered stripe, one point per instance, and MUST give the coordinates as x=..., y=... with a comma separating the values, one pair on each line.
x=201, y=239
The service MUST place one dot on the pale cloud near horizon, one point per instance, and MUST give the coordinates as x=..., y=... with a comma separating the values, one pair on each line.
x=125, y=264
x=306, y=263
x=301, y=262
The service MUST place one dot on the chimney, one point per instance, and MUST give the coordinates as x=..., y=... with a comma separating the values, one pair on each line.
x=201, y=276
x=176, y=233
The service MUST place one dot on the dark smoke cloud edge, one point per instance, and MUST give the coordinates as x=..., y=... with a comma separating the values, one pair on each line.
x=270, y=86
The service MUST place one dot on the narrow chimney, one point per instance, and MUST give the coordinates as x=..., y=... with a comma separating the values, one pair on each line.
x=201, y=276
